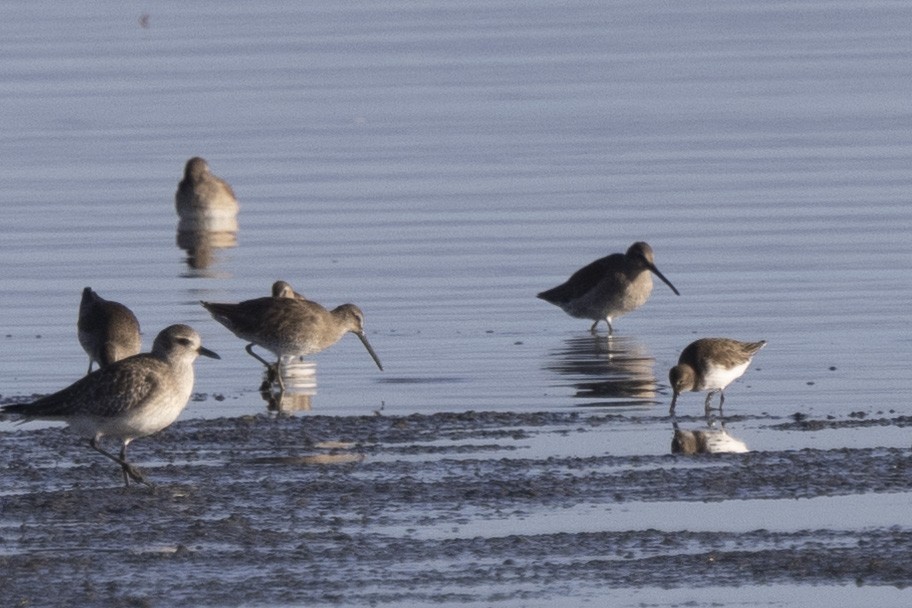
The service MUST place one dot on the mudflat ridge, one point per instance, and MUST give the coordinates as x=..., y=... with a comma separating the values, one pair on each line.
x=424, y=509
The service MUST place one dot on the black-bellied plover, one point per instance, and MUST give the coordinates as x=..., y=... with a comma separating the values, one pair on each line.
x=108, y=331
x=710, y=364
x=608, y=287
x=131, y=398
x=290, y=327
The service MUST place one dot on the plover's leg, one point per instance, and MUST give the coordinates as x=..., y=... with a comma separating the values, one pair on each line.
x=129, y=471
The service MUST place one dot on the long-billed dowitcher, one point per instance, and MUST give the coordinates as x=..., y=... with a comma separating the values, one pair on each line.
x=711, y=364
x=203, y=196
x=290, y=327
x=608, y=287
x=131, y=398
x=108, y=331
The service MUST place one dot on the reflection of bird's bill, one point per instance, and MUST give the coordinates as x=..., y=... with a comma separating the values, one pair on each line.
x=370, y=349
x=208, y=353
x=664, y=280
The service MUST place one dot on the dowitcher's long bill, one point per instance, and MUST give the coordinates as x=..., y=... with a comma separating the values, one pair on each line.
x=710, y=364
x=108, y=331
x=131, y=398
x=608, y=287
x=289, y=326
x=203, y=196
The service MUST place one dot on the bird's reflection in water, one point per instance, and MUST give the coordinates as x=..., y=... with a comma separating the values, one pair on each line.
x=708, y=440
x=300, y=380
x=619, y=371
x=202, y=238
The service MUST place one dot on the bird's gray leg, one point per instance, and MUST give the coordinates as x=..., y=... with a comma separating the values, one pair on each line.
x=610, y=326
x=249, y=349
x=707, y=406
x=123, y=458
x=90, y=367
x=592, y=329
x=721, y=401
x=273, y=373
x=129, y=471
x=273, y=370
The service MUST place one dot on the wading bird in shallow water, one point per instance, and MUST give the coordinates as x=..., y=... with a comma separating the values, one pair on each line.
x=608, y=287
x=108, y=331
x=289, y=327
x=202, y=196
x=128, y=399
x=711, y=364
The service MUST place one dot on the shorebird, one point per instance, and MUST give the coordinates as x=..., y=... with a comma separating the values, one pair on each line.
x=608, y=287
x=282, y=289
x=289, y=327
x=711, y=364
x=108, y=331
x=202, y=196
x=128, y=399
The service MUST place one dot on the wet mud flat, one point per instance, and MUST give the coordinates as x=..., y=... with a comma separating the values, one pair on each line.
x=439, y=509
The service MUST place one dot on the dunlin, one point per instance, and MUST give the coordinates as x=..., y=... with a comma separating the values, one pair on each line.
x=711, y=364
x=108, y=331
x=608, y=287
x=202, y=196
x=131, y=398
x=290, y=327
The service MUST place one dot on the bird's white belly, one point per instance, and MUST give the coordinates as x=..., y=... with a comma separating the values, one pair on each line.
x=718, y=377
x=149, y=419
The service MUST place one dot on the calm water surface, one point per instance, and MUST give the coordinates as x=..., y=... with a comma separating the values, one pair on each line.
x=439, y=165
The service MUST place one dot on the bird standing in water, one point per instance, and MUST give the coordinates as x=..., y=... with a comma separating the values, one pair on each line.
x=711, y=364
x=289, y=326
x=608, y=287
x=202, y=196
